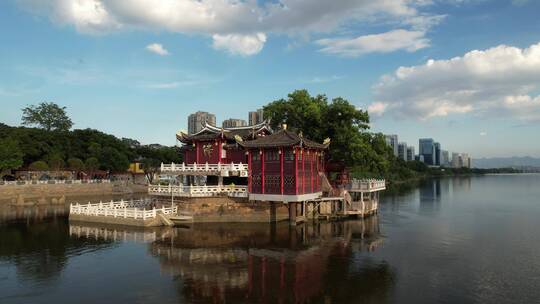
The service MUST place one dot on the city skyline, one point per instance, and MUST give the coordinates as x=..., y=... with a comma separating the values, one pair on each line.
x=132, y=74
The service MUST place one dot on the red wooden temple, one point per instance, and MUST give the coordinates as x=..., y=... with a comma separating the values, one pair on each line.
x=282, y=171
x=284, y=167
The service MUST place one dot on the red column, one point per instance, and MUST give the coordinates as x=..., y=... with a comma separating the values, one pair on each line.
x=262, y=171
x=317, y=178
x=295, y=151
x=219, y=151
x=281, y=168
x=250, y=172
x=311, y=165
x=197, y=153
x=303, y=172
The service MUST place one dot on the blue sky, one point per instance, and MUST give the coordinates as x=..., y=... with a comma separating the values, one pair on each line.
x=466, y=73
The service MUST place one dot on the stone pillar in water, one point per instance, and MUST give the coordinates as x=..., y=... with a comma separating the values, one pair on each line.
x=292, y=213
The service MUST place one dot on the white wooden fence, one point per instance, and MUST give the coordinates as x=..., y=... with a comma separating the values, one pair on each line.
x=367, y=185
x=221, y=169
x=198, y=191
x=55, y=182
x=121, y=209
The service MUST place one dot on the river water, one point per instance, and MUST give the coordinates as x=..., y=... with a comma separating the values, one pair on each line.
x=461, y=240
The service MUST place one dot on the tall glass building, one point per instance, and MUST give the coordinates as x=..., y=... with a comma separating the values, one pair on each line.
x=427, y=151
x=438, y=155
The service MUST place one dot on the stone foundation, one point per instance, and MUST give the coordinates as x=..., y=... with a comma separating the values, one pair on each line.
x=232, y=210
x=59, y=193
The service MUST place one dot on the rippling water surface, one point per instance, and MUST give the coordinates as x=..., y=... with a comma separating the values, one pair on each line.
x=463, y=240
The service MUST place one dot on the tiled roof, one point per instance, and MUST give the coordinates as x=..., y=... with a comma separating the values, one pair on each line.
x=210, y=132
x=282, y=138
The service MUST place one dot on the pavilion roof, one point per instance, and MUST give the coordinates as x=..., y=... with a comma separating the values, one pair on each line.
x=210, y=132
x=283, y=138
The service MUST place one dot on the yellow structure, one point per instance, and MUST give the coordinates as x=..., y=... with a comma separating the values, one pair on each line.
x=136, y=168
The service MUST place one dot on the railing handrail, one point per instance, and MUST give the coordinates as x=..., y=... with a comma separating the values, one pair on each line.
x=172, y=167
x=55, y=182
x=198, y=190
x=367, y=184
x=125, y=209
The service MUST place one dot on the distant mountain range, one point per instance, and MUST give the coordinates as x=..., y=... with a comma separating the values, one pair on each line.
x=505, y=162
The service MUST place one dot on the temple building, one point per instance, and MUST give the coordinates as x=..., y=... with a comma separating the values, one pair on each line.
x=214, y=163
x=284, y=167
x=253, y=174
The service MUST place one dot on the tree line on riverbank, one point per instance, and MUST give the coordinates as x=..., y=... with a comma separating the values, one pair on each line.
x=365, y=153
x=52, y=146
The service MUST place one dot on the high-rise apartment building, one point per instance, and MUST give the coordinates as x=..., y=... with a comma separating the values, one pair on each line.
x=466, y=160
x=461, y=160
x=410, y=153
x=438, y=155
x=234, y=123
x=256, y=117
x=455, y=160
x=197, y=120
x=392, y=141
x=445, y=160
x=402, y=150
x=427, y=150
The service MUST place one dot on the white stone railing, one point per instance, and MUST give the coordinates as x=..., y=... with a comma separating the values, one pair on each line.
x=198, y=191
x=121, y=209
x=220, y=168
x=56, y=182
x=367, y=185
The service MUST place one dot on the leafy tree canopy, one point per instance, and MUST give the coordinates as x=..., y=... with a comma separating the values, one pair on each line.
x=11, y=155
x=48, y=116
x=318, y=119
x=75, y=164
x=92, y=164
x=39, y=166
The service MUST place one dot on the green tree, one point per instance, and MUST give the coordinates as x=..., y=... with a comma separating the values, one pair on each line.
x=111, y=159
x=11, y=156
x=317, y=119
x=56, y=162
x=75, y=164
x=150, y=167
x=39, y=166
x=92, y=164
x=48, y=116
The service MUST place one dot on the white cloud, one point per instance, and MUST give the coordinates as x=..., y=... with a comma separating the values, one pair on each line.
x=496, y=82
x=322, y=79
x=227, y=20
x=377, y=108
x=483, y=133
x=379, y=43
x=244, y=45
x=157, y=49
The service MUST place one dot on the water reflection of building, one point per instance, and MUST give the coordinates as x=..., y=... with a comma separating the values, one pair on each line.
x=461, y=184
x=243, y=263
x=430, y=191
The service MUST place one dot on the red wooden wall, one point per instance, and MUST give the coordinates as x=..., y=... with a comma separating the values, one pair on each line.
x=300, y=171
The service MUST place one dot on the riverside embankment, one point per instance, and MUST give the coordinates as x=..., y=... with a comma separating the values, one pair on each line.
x=30, y=193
